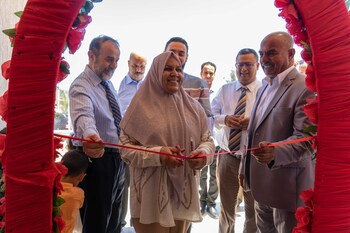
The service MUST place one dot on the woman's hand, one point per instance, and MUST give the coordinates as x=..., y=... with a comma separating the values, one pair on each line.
x=197, y=163
x=170, y=161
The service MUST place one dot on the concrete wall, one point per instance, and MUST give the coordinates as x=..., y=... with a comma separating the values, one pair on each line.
x=7, y=20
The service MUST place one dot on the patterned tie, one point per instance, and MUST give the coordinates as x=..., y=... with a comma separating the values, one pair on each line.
x=113, y=104
x=235, y=134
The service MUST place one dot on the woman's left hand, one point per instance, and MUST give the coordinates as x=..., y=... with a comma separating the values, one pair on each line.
x=196, y=163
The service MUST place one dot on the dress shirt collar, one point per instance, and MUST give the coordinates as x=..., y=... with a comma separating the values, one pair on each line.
x=92, y=76
x=239, y=86
x=280, y=77
x=249, y=87
x=130, y=80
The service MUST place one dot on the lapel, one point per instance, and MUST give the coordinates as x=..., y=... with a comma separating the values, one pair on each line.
x=257, y=102
x=287, y=82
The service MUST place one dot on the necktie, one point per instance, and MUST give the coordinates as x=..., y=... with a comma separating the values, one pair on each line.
x=235, y=134
x=113, y=104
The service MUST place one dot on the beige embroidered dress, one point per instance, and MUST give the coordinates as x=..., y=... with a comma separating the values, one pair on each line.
x=154, y=119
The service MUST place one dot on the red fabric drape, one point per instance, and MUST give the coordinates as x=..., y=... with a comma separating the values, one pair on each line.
x=328, y=27
x=29, y=152
x=28, y=157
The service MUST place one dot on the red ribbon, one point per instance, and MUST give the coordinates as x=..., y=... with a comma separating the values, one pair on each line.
x=183, y=156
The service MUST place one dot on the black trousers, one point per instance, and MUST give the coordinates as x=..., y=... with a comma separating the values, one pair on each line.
x=103, y=186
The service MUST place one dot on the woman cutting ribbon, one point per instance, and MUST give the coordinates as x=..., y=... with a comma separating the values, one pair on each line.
x=163, y=118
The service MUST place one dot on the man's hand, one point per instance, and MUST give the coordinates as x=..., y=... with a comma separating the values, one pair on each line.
x=244, y=122
x=94, y=150
x=237, y=121
x=265, y=153
x=196, y=163
x=233, y=121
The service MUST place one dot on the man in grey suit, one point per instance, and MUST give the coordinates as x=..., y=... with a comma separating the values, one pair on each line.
x=277, y=175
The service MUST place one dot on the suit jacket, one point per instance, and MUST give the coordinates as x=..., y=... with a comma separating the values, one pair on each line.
x=280, y=183
x=198, y=89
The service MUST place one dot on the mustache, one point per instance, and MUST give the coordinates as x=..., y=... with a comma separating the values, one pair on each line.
x=266, y=64
x=110, y=69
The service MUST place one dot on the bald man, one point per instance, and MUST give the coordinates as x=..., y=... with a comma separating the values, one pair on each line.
x=277, y=175
x=127, y=89
x=132, y=81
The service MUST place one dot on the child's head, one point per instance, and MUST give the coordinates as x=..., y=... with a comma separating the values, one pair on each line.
x=77, y=164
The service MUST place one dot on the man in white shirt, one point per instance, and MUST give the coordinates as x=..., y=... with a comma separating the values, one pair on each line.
x=224, y=107
x=208, y=195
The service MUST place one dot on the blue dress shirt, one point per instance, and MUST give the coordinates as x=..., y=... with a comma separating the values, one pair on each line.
x=126, y=92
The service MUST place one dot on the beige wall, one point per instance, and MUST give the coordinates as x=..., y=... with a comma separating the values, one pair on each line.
x=7, y=20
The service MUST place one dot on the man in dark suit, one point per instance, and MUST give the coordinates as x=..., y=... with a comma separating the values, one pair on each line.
x=277, y=175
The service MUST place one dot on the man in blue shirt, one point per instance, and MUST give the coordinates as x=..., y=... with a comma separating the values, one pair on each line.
x=127, y=89
x=132, y=81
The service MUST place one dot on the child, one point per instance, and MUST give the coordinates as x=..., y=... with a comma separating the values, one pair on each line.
x=76, y=163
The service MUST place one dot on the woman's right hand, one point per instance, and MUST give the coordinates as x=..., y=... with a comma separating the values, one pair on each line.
x=170, y=161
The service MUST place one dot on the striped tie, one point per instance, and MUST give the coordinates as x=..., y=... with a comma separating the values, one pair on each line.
x=113, y=104
x=235, y=134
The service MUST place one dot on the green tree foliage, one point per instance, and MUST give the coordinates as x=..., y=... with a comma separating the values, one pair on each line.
x=232, y=75
x=63, y=101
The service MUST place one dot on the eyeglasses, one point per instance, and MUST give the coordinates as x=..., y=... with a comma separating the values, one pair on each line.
x=246, y=64
x=134, y=66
